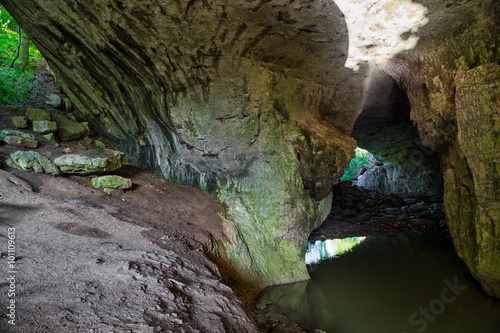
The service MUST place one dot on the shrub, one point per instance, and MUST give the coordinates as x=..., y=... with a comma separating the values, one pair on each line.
x=15, y=83
x=359, y=161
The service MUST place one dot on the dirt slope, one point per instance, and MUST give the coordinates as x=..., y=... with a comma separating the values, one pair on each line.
x=89, y=262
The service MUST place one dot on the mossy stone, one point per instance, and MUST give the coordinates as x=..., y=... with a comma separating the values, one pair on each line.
x=112, y=181
x=54, y=101
x=37, y=114
x=91, y=161
x=99, y=144
x=20, y=139
x=11, y=111
x=68, y=129
x=51, y=137
x=44, y=126
x=19, y=121
x=31, y=161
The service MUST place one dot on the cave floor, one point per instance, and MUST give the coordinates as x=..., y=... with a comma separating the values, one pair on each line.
x=357, y=212
x=89, y=262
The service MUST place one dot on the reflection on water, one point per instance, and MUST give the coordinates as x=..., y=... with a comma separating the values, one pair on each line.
x=404, y=284
x=330, y=248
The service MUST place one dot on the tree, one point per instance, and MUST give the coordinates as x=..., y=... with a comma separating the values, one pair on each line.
x=18, y=47
x=25, y=55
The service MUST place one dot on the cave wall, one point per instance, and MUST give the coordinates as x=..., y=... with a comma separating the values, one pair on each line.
x=452, y=81
x=241, y=98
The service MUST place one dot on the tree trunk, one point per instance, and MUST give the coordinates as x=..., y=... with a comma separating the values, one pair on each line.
x=25, y=55
x=18, y=48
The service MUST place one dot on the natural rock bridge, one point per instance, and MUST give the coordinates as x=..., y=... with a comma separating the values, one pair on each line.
x=255, y=102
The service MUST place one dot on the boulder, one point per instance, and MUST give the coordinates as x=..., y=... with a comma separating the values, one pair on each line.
x=31, y=161
x=51, y=137
x=68, y=129
x=54, y=101
x=44, y=126
x=37, y=114
x=20, y=139
x=91, y=161
x=19, y=121
x=112, y=181
x=99, y=144
x=11, y=111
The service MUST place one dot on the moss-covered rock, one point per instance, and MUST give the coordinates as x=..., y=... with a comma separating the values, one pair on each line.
x=68, y=129
x=91, y=161
x=12, y=111
x=112, y=181
x=54, y=101
x=37, y=114
x=20, y=121
x=44, y=126
x=20, y=139
x=51, y=137
x=453, y=87
x=31, y=161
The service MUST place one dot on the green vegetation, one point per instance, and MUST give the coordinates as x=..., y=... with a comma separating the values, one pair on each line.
x=359, y=161
x=16, y=82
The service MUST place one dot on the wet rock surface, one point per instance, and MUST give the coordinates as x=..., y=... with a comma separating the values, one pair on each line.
x=358, y=212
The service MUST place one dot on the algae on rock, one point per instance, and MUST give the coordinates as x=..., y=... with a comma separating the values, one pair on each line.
x=31, y=161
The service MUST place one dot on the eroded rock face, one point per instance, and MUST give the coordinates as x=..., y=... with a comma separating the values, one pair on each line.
x=242, y=98
x=452, y=81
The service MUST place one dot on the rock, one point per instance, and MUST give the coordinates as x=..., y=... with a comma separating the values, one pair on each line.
x=68, y=129
x=51, y=137
x=11, y=111
x=20, y=139
x=113, y=192
x=91, y=161
x=54, y=101
x=44, y=126
x=99, y=144
x=68, y=106
x=37, y=114
x=31, y=161
x=87, y=142
x=66, y=150
x=112, y=181
x=19, y=121
x=396, y=201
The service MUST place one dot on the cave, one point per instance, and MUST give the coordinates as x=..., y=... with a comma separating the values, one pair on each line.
x=401, y=164
x=237, y=120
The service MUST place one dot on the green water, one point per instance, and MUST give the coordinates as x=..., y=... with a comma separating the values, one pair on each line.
x=403, y=284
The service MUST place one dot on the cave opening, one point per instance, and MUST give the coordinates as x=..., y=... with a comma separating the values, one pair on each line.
x=397, y=162
x=384, y=254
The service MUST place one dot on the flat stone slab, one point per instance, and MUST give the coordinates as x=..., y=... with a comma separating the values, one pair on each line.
x=91, y=161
